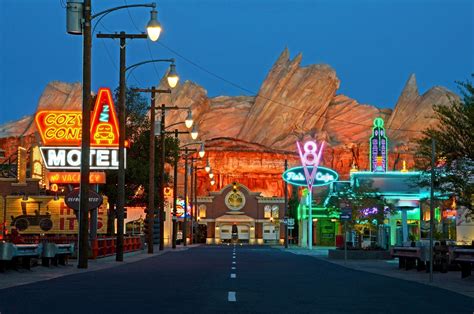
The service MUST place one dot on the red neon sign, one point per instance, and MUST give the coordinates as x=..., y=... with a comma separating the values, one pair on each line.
x=104, y=126
x=64, y=128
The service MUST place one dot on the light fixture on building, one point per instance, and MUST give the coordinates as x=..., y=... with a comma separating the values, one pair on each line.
x=213, y=182
x=211, y=175
x=153, y=27
x=189, y=119
x=208, y=166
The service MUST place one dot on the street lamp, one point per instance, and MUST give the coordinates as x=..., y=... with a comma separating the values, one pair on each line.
x=78, y=22
x=189, y=119
x=211, y=175
x=173, y=77
x=202, y=152
x=208, y=166
x=194, y=132
x=153, y=27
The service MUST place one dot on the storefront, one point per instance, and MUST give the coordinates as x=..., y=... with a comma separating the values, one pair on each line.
x=237, y=214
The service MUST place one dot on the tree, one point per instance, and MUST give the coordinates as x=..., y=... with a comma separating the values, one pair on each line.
x=368, y=208
x=136, y=173
x=454, y=138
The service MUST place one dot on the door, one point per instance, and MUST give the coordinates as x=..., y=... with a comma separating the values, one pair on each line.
x=226, y=232
x=244, y=232
x=269, y=232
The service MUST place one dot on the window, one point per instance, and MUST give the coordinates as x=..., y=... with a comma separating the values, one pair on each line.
x=275, y=211
x=267, y=211
x=202, y=211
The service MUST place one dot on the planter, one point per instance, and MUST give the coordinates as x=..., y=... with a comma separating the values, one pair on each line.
x=359, y=254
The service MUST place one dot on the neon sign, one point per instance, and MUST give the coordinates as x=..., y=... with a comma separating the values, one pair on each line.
x=104, y=126
x=378, y=147
x=310, y=159
x=70, y=158
x=324, y=176
x=59, y=127
x=64, y=128
x=75, y=177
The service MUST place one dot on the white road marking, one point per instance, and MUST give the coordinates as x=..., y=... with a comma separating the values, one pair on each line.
x=231, y=296
x=234, y=262
x=233, y=256
x=233, y=275
x=233, y=267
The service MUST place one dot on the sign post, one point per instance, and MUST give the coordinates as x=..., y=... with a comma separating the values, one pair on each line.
x=310, y=157
x=346, y=215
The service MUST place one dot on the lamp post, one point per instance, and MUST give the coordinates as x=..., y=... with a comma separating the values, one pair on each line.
x=78, y=22
x=163, y=109
x=187, y=152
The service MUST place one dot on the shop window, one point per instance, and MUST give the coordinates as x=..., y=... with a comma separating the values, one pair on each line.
x=275, y=211
x=225, y=231
x=202, y=211
x=267, y=211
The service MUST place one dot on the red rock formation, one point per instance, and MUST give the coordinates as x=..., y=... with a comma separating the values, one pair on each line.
x=249, y=137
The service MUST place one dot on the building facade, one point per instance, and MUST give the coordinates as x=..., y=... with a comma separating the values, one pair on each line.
x=236, y=213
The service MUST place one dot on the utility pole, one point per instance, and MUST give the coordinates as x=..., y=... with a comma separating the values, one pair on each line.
x=196, y=211
x=286, y=207
x=175, y=195
x=185, y=194
x=162, y=179
x=83, y=239
x=151, y=179
x=121, y=117
x=191, y=194
x=433, y=149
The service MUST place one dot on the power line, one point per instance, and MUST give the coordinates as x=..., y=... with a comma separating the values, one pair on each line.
x=267, y=98
x=147, y=43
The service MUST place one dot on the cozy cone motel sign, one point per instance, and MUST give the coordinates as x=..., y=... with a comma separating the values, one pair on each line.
x=61, y=134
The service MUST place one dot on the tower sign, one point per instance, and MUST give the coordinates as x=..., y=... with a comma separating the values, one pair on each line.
x=378, y=147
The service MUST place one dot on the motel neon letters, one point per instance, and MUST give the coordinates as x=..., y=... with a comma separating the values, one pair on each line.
x=61, y=133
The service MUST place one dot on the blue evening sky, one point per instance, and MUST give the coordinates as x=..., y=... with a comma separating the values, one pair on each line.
x=373, y=45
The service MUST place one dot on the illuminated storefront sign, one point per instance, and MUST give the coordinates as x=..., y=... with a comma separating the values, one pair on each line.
x=64, y=128
x=61, y=128
x=61, y=133
x=378, y=147
x=323, y=176
x=310, y=159
x=70, y=158
x=75, y=177
x=43, y=214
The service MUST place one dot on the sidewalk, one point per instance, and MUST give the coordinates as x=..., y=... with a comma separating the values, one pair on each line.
x=450, y=281
x=12, y=278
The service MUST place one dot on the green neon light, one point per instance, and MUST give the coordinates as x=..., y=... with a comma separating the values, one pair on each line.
x=324, y=176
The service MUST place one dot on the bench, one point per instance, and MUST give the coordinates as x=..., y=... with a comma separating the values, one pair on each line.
x=408, y=257
x=56, y=253
x=464, y=257
x=26, y=252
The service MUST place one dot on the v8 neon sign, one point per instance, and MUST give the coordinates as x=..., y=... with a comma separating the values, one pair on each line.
x=310, y=157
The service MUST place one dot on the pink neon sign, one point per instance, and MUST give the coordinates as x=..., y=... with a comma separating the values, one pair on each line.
x=310, y=157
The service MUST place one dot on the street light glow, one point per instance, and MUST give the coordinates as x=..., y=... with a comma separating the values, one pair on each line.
x=213, y=182
x=211, y=175
x=202, y=152
x=173, y=77
x=207, y=167
x=189, y=119
x=153, y=27
x=194, y=132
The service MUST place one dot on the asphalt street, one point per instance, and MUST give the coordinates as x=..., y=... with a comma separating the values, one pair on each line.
x=228, y=279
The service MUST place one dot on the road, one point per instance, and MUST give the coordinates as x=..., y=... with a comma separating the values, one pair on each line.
x=228, y=279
